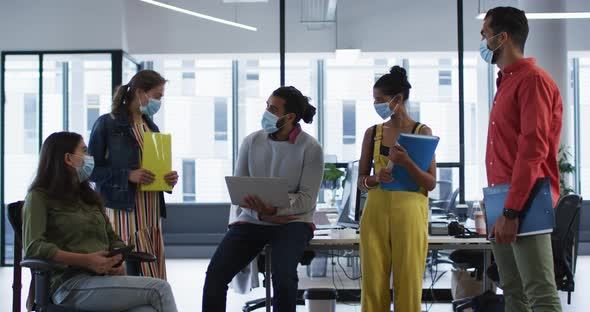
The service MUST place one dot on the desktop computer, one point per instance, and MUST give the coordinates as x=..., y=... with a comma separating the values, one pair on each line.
x=353, y=200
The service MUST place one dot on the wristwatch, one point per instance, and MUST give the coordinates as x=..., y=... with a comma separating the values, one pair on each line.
x=511, y=214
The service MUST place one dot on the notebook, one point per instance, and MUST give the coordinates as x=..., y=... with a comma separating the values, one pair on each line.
x=538, y=216
x=421, y=150
x=157, y=158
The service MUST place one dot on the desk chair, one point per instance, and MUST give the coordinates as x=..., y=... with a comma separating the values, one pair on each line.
x=564, y=242
x=440, y=197
x=264, y=266
x=39, y=299
x=444, y=207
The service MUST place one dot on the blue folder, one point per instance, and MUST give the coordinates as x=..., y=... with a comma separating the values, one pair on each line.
x=538, y=215
x=421, y=150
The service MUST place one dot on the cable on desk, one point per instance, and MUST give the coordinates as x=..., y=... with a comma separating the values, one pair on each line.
x=344, y=271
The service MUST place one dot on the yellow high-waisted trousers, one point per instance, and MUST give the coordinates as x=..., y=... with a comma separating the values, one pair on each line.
x=393, y=237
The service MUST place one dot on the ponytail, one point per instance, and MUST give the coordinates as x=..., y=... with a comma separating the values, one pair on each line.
x=297, y=103
x=144, y=80
x=120, y=97
x=309, y=113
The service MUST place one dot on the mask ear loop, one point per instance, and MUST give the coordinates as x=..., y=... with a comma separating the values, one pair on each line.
x=392, y=111
x=396, y=105
x=494, y=36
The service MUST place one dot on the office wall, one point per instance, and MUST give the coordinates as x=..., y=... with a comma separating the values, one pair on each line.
x=194, y=230
x=371, y=25
x=61, y=24
x=577, y=30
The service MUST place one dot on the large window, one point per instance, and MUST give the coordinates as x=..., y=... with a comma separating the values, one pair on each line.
x=21, y=129
x=196, y=110
x=76, y=91
x=202, y=92
x=434, y=100
x=188, y=180
x=221, y=120
x=584, y=112
x=73, y=90
x=348, y=122
x=258, y=78
x=348, y=104
x=200, y=97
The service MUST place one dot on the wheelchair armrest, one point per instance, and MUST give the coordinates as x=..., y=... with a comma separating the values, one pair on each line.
x=41, y=265
x=137, y=256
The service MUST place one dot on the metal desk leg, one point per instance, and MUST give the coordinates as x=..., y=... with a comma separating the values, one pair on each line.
x=267, y=271
x=487, y=260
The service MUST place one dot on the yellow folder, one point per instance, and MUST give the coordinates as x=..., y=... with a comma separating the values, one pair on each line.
x=157, y=158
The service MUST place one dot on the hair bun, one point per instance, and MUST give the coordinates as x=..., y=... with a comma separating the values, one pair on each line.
x=309, y=112
x=397, y=70
x=401, y=74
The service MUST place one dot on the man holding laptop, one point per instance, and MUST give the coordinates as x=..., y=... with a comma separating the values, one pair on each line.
x=523, y=142
x=285, y=152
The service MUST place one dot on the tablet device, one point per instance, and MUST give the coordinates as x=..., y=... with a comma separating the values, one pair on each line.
x=273, y=191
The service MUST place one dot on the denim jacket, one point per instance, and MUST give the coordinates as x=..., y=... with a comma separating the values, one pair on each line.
x=116, y=152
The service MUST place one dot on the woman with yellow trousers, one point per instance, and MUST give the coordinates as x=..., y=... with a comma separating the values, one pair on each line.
x=394, y=225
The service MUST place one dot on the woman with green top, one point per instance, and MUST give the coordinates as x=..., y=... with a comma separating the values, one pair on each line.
x=64, y=221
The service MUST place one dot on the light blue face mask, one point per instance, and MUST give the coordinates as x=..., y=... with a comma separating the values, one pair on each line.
x=269, y=122
x=152, y=107
x=486, y=54
x=384, y=111
x=85, y=171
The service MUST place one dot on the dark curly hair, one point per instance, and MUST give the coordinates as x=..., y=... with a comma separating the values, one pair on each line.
x=297, y=103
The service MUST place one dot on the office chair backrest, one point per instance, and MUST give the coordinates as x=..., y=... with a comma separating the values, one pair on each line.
x=442, y=191
x=453, y=201
x=565, y=240
x=16, y=220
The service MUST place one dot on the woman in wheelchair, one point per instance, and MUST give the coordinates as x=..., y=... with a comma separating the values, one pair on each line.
x=64, y=221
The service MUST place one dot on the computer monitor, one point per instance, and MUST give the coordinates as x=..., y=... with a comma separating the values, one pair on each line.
x=323, y=197
x=352, y=198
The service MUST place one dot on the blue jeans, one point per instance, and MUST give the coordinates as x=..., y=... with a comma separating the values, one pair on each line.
x=241, y=244
x=116, y=293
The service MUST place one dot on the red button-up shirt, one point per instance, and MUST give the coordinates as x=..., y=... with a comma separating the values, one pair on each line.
x=524, y=132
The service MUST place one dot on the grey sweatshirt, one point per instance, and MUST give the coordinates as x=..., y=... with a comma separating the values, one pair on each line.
x=301, y=163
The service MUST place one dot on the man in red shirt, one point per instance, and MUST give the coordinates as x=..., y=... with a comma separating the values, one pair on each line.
x=523, y=142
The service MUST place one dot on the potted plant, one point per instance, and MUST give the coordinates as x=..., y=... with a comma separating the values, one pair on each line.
x=565, y=169
x=331, y=181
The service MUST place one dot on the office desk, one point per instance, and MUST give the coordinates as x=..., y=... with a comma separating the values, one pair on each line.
x=348, y=239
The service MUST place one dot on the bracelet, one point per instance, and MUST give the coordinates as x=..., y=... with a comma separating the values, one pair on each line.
x=363, y=185
x=365, y=182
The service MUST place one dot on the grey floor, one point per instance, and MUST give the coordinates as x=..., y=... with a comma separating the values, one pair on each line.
x=187, y=276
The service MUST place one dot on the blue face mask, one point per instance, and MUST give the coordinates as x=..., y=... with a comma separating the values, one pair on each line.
x=486, y=54
x=85, y=171
x=152, y=107
x=269, y=122
x=383, y=110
